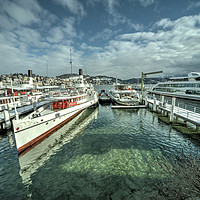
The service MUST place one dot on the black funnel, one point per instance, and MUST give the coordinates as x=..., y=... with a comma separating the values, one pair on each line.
x=80, y=72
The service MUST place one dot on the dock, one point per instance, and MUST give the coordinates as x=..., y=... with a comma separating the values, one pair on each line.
x=128, y=107
x=174, y=111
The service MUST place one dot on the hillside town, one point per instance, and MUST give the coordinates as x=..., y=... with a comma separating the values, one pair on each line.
x=38, y=80
x=20, y=78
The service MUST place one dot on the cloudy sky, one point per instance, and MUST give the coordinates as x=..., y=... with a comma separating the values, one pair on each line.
x=119, y=38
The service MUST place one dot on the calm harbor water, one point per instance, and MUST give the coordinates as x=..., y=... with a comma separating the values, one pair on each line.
x=101, y=154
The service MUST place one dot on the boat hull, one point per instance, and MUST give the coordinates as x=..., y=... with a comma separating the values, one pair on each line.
x=125, y=103
x=105, y=100
x=41, y=127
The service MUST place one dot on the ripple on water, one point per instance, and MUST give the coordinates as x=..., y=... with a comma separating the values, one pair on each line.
x=115, y=156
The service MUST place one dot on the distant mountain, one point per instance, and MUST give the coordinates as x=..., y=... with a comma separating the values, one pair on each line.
x=151, y=80
x=62, y=76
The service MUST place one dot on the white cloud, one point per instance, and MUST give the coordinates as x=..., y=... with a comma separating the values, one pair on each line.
x=68, y=27
x=175, y=49
x=111, y=6
x=165, y=23
x=55, y=35
x=146, y=3
x=193, y=5
x=117, y=18
x=104, y=35
x=23, y=13
x=75, y=6
x=170, y=45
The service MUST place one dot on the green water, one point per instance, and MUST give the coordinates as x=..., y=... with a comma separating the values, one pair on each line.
x=102, y=154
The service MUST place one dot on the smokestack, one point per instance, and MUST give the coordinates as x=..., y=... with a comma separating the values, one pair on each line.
x=80, y=72
x=29, y=73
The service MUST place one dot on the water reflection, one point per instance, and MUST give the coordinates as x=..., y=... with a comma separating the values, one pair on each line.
x=102, y=154
x=119, y=159
x=10, y=180
x=39, y=155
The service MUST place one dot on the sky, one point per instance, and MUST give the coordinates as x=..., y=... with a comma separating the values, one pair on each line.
x=118, y=38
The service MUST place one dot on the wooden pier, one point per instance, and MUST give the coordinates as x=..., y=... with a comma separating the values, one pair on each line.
x=174, y=111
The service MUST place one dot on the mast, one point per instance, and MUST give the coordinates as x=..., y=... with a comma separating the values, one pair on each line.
x=71, y=60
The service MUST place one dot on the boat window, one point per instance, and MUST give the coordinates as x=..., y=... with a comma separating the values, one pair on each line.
x=194, y=74
x=57, y=115
x=197, y=79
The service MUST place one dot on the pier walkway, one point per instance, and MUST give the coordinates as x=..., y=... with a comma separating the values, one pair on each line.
x=188, y=114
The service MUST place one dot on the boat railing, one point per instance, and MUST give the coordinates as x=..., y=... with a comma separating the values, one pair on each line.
x=188, y=108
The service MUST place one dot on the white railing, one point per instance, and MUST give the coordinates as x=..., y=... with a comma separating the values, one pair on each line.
x=188, y=111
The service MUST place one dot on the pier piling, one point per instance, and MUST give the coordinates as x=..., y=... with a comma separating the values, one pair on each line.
x=7, y=119
x=174, y=113
x=172, y=109
x=154, y=104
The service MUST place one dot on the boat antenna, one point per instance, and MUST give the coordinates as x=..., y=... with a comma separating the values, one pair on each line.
x=71, y=60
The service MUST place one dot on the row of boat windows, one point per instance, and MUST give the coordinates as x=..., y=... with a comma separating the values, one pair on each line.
x=167, y=90
x=76, y=99
x=4, y=101
x=180, y=85
x=194, y=92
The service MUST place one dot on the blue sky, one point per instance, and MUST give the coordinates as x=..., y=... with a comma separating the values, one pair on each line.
x=119, y=38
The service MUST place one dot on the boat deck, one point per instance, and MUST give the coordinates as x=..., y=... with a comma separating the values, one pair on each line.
x=22, y=110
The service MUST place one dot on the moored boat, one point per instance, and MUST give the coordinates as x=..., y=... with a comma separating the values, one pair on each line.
x=35, y=127
x=123, y=94
x=181, y=87
x=29, y=162
x=104, y=97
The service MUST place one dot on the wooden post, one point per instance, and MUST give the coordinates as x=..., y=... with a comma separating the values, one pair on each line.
x=172, y=110
x=162, y=99
x=142, y=83
x=185, y=122
x=7, y=119
x=146, y=103
x=16, y=113
x=140, y=99
x=154, y=104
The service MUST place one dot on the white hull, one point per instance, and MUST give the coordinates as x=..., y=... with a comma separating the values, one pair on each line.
x=124, y=101
x=29, y=133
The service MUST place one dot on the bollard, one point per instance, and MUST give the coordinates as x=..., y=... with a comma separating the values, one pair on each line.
x=154, y=104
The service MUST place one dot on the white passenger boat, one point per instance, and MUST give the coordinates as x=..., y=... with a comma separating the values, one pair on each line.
x=180, y=87
x=123, y=94
x=38, y=125
x=104, y=97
